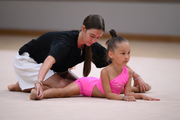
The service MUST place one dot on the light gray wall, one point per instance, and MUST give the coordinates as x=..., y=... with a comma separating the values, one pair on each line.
x=125, y=17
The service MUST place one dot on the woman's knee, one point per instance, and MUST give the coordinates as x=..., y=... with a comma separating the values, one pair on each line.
x=63, y=83
x=55, y=81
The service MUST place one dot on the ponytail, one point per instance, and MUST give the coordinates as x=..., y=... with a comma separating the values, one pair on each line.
x=91, y=22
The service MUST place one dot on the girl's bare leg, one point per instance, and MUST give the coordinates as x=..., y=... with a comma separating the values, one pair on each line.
x=68, y=91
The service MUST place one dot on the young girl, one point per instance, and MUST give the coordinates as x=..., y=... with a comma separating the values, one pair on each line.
x=113, y=78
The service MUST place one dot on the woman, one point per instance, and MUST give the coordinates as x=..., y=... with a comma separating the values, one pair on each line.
x=43, y=62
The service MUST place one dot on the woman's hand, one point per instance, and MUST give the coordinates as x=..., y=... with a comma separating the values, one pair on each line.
x=39, y=90
x=150, y=98
x=129, y=98
x=141, y=84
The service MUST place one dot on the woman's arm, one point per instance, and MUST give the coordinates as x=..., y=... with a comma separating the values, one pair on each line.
x=47, y=64
x=106, y=86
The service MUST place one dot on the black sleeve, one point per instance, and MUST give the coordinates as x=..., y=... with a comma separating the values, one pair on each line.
x=60, y=48
x=99, y=55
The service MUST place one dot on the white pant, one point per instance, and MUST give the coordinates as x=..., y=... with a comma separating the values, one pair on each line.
x=27, y=70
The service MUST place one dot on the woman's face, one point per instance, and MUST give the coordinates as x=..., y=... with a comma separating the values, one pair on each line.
x=91, y=36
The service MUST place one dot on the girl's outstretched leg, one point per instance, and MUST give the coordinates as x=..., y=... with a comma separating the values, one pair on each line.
x=68, y=91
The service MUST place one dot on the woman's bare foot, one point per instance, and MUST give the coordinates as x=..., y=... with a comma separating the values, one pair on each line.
x=33, y=95
x=14, y=87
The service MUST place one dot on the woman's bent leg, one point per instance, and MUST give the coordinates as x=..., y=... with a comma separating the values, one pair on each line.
x=14, y=87
x=69, y=76
x=55, y=81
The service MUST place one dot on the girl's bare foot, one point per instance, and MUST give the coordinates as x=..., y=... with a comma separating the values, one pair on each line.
x=148, y=87
x=33, y=95
x=14, y=87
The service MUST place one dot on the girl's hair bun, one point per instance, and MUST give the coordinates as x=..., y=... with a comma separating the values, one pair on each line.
x=113, y=33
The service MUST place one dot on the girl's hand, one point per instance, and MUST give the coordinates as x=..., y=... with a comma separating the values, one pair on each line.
x=141, y=84
x=150, y=98
x=129, y=98
x=38, y=87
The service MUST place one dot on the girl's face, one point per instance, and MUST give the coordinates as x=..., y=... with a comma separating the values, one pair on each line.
x=91, y=36
x=121, y=54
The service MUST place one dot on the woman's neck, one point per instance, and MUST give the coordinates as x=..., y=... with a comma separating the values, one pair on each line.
x=80, y=42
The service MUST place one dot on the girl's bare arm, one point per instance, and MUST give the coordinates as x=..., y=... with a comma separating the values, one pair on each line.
x=138, y=82
x=106, y=86
x=127, y=90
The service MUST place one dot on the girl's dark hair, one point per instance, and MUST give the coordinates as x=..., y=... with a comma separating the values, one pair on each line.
x=91, y=22
x=112, y=42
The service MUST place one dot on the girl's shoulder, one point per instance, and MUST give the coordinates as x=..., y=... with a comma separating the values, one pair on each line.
x=105, y=72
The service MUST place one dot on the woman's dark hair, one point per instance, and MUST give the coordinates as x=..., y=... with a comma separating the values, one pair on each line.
x=91, y=22
x=112, y=42
x=94, y=22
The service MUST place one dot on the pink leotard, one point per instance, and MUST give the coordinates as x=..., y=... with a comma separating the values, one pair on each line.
x=86, y=84
x=117, y=83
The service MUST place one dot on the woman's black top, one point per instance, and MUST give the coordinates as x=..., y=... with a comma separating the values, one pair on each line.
x=62, y=45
